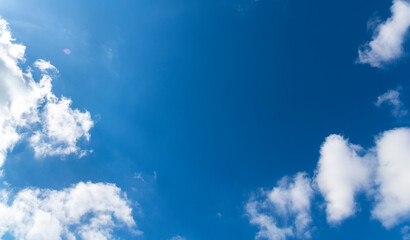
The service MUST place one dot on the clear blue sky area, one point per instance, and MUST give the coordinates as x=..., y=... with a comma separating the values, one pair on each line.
x=198, y=104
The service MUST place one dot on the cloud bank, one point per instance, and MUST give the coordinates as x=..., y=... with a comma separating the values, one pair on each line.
x=344, y=171
x=86, y=211
x=30, y=110
x=389, y=36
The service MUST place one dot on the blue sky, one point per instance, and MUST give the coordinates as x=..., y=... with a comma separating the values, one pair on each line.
x=199, y=108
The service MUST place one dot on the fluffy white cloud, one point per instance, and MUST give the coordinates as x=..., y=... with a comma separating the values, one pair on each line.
x=392, y=97
x=389, y=36
x=285, y=211
x=341, y=174
x=343, y=171
x=393, y=177
x=86, y=211
x=382, y=172
x=62, y=127
x=28, y=106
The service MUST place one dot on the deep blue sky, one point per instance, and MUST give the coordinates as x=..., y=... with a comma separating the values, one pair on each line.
x=219, y=98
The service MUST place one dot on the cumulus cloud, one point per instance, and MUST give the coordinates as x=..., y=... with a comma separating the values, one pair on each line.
x=387, y=43
x=86, y=211
x=29, y=109
x=341, y=174
x=392, y=97
x=381, y=172
x=284, y=211
x=62, y=127
x=344, y=170
x=393, y=178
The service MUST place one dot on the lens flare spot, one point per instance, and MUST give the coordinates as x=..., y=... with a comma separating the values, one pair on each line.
x=67, y=51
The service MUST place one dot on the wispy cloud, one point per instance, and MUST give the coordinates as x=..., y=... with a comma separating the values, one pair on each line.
x=405, y=231
x=138, y=176
x=392, y=98
x=284, y=211
x=177, y=237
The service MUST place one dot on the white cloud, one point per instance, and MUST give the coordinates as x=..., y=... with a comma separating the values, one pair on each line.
x=344, y=170
x=267, y=224
x=86, y=210
x=27, y=105
x=62, y=127
x=341, y=174
x=285, y=211
x=393, y=178
x=44, y=66
x=387, y=43
x=392, y=97
x=382, y=172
